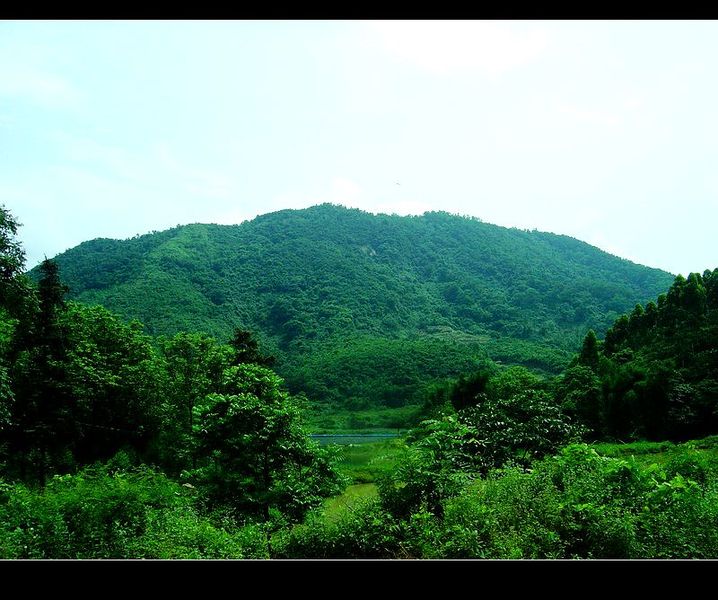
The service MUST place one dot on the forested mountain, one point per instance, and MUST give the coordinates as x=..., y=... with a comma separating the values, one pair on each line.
x=338, y=294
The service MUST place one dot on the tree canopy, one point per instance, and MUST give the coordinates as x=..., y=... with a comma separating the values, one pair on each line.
x=334, y=293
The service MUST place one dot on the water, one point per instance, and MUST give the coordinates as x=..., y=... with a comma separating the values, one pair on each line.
x=351, y=438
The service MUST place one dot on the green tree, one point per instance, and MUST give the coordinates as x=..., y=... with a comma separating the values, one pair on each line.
x=110, y=375
x=247, y=349
x=255, y=456
x=192, y=365
x=468, y=389
x=12, y=254
x=43, y=426
x=7, y=395
x=579, y=393
x=589, y=351
x=436, y=466
x=511, y=381
x=527, y=425
x=17, y=294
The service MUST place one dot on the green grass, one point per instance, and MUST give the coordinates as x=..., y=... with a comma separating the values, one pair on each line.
x=707, y=443
x=659, y=453
x=365, y=463
x=377, y=420
x=620, y=449
x=335, y=507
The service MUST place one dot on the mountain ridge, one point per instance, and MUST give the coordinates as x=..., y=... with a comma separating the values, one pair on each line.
x=311, y=282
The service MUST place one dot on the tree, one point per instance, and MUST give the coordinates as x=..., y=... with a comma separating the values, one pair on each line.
x=112, y=380
x=695, y=297
x=467, y=390
x=711, y=285
x=511, y=381
x=589, y=351
x=519, y=428
x=51, y=292
x=7, y=396
x=12, y=255
x=444, y=457
x=192, y=366
x=247, y=349
x=17, y=295
x=650, y=316
x=43, y=426
x=578, y=392
x=254, y=455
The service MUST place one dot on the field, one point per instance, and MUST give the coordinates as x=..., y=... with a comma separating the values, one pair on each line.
x=363, y=465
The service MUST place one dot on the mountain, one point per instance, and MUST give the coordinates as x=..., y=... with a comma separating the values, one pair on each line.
x=365, y=309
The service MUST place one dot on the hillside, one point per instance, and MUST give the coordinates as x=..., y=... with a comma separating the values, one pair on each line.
x=337, y=293
x=656, y=372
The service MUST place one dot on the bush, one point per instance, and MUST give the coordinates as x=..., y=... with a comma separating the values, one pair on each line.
x=106, y=513
x=692, y=464
x=435, y=467
x=366, y=531
x=680, y=520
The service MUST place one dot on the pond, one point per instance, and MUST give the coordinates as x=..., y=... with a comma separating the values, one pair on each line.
x=345, y=439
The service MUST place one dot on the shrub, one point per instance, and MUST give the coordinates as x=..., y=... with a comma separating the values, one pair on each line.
x=366, y=531
x=103, y=512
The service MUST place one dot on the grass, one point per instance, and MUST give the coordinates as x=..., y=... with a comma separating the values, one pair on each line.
x=335, y=507
x=365, y=463
x=659, y=453
x=376, y=420
x=620, y=449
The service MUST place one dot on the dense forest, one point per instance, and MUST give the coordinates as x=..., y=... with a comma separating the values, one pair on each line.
x=119, y=443
x=336, y=294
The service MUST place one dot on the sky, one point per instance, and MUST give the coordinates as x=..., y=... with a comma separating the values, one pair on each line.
x=606, y=131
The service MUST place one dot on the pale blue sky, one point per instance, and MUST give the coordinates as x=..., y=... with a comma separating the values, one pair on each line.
x=605, y=131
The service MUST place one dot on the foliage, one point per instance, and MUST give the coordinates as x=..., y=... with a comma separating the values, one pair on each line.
x=254, y=455
x=105, y=513
x=427, y=294
x=353, y=375
x=246, y=349
x=365, y=531
x=658, y=368
x=576, y=504
x=189, y=366
x=486, y=474
x=519, y=428
x=579, y=393
x=81, y=392
x=435, y=467
x=12, y=254
x=466, y=391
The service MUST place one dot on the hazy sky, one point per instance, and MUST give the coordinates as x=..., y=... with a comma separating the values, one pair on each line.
x=605, y=131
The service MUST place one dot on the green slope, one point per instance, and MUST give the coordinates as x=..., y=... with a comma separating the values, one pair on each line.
x=364, y=309
x=658, y=365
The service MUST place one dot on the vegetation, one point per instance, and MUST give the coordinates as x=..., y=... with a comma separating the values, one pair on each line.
x=655, y=376
x=337, y=294
x=103, y=435
x=118, y=444
x=576, y=504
